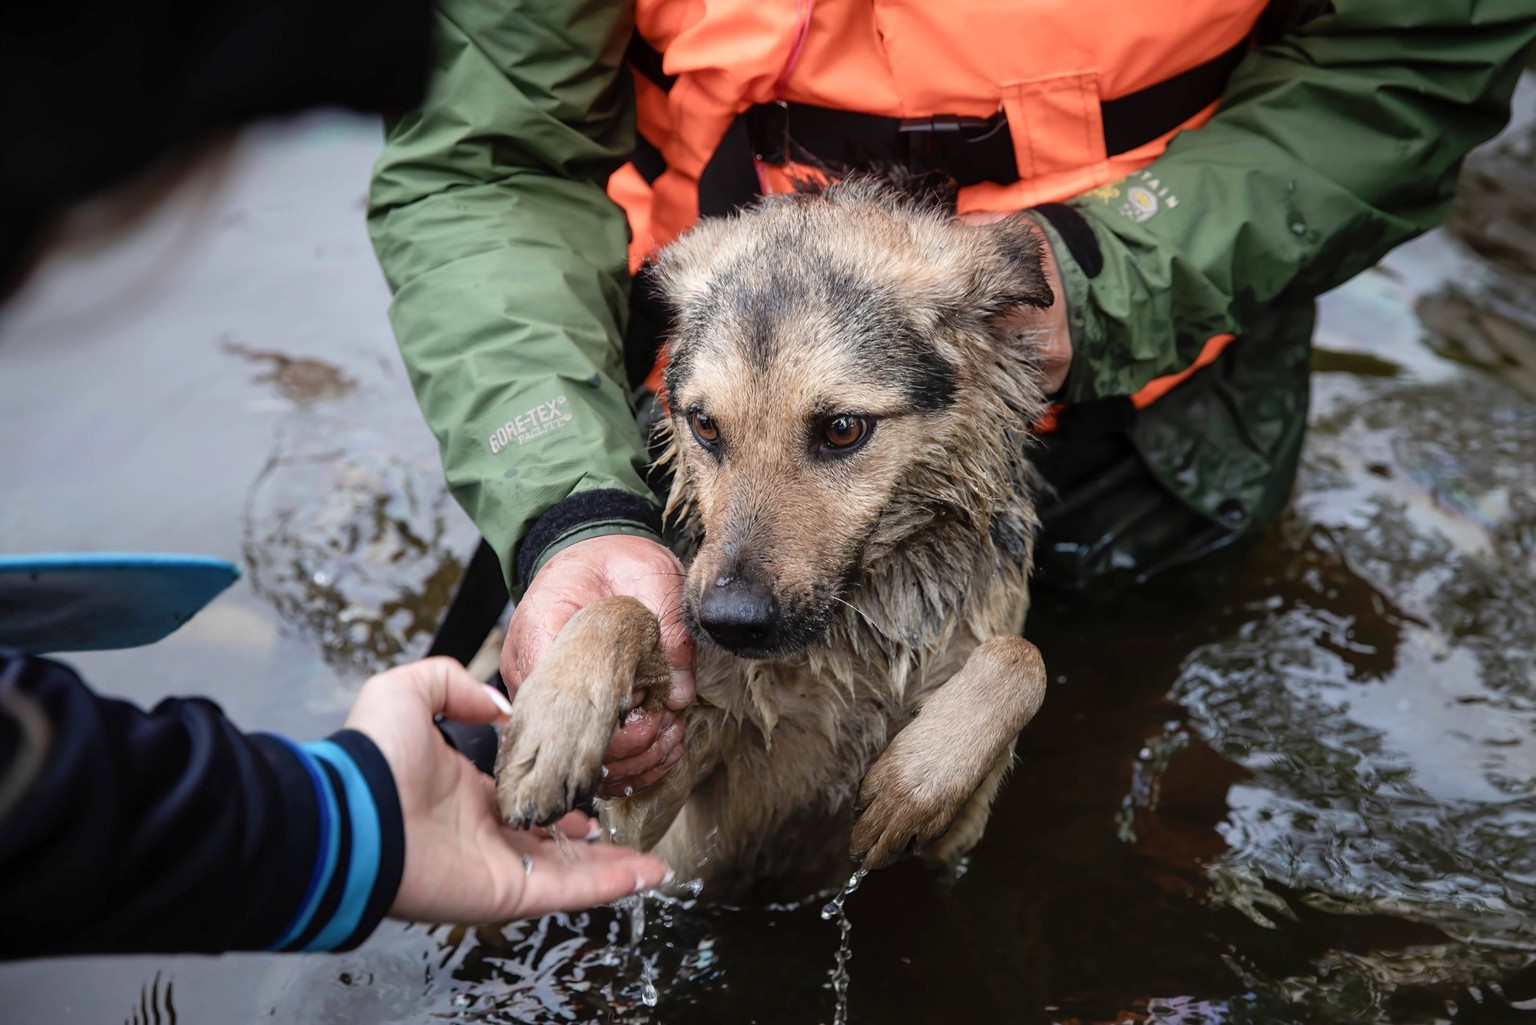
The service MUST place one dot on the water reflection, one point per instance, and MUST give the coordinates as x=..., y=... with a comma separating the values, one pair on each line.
x=1391, y=741
x=351, y=541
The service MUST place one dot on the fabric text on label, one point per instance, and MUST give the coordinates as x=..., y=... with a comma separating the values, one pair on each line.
x=534, y=423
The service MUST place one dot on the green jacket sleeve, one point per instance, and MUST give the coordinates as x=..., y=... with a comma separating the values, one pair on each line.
x=509, y=270
x=1334, y=142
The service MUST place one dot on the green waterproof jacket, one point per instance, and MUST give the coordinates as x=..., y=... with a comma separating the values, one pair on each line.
x=1338, y=138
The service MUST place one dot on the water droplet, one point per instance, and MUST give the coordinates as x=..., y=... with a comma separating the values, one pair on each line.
x=636, y=919
x=834, y=907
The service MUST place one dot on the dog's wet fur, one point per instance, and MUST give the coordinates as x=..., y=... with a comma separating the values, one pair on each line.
x=847, y=438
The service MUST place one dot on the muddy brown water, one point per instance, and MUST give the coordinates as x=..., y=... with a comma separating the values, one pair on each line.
x=1295, y=786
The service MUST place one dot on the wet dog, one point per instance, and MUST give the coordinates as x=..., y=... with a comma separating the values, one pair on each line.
x=849, y=407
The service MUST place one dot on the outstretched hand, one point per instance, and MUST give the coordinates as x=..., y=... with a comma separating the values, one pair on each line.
x=646, y=746
x=463, y=864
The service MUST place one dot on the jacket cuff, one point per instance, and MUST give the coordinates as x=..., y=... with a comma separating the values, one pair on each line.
x=360, y=844
x=581, y=513
x=1074, y=232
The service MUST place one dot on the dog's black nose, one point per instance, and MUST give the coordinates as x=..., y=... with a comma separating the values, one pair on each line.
x=738, y=614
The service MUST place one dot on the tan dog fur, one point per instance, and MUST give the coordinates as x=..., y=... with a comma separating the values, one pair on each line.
x=880, y=716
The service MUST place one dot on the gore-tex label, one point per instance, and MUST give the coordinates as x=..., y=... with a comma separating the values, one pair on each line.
x=535, y=423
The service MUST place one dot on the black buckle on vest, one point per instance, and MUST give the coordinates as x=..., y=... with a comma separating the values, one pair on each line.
x=958, y=146
x=947, y=123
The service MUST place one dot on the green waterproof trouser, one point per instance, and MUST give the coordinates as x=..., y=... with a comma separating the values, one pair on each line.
x=1105, y=521
x=1108, y=521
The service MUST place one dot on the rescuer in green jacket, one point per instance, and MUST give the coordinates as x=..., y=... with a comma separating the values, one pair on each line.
x=1339, y=136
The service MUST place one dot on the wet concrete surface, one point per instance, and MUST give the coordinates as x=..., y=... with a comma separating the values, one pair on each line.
x=1296, y=785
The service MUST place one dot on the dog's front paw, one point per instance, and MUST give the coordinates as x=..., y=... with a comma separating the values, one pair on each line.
x=904, y=804
x=932, y=789
x=551, y=755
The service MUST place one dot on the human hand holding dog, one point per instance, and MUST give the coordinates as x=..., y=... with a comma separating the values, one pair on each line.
x=463, y=864
x=1049, y=326
x=647, y=745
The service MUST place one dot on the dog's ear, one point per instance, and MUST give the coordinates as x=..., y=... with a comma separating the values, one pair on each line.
x=677, y=291
x=685, y=268
x=1011, y=272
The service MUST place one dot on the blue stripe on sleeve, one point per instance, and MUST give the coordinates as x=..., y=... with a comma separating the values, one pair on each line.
x=325, y=855
x=363, y=870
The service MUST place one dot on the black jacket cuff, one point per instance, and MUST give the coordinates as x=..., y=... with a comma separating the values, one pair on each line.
x=1076, y=233
x=576, y=511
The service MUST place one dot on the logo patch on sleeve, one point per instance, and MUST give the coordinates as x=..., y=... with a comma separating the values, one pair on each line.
x=1146, y=198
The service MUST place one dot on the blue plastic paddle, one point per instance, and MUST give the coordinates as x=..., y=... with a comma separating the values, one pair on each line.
x=100, y=600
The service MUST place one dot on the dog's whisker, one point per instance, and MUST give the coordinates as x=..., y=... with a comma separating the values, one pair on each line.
x=860, y=612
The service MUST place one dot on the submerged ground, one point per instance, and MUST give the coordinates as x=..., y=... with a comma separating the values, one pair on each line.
x=1298, y=786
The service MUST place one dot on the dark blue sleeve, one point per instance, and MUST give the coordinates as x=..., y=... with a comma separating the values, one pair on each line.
x=123, y=830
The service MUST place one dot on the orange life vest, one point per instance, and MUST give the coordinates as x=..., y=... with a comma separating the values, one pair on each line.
x=1052, y=67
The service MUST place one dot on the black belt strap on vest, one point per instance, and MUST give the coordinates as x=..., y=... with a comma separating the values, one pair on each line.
x=968, y=149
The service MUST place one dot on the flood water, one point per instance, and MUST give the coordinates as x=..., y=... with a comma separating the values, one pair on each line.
x=1295, y=786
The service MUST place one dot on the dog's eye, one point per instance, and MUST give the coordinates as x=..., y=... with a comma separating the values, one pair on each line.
x=844, y=432
x=705, y=430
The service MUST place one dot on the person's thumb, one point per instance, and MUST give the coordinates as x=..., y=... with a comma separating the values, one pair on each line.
x=678, y=643
x=452, y=693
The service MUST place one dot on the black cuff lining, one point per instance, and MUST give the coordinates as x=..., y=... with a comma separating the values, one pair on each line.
x=1077, y=234
x=386, y=799
x=574, y=511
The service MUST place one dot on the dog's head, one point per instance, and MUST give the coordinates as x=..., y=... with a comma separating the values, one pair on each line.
x=839, y=376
